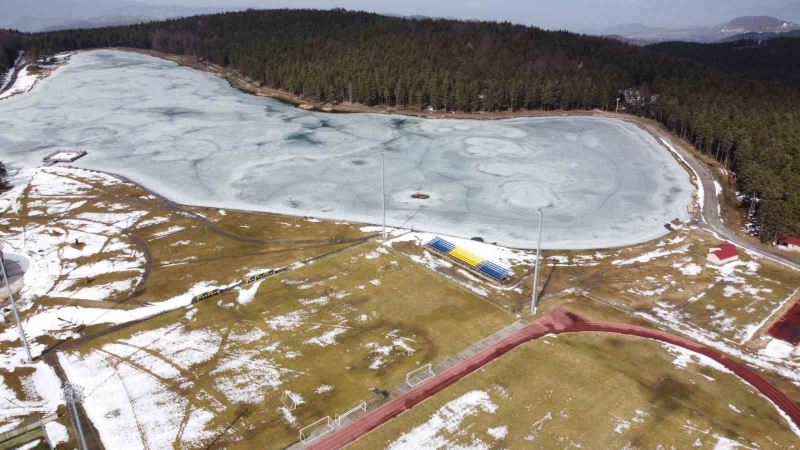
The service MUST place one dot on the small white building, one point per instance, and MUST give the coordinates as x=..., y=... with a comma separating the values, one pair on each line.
x=676, y=225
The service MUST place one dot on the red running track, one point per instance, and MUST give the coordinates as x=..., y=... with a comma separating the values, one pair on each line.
x=557, y=322
x=787, y=328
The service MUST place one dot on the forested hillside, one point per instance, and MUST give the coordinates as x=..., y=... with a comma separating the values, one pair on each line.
x=751, y=126
x=10, y=44
x=775, y=59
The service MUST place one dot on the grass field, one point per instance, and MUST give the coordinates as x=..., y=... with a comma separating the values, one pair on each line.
x=673, y=283
x=326, y=334
x=591, y=391
x=348, y=314
x=103, y=251
x=101, y=247
x=667, y=281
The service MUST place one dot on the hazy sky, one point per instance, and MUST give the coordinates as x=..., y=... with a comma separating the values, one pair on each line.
x=573, y=14
x=579, y=15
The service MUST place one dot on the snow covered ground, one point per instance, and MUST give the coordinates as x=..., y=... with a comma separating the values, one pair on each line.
x=190, y=136
x=304, y=334
x=24, y=83
x=26, y=78
x=129, y=403
x=55, y=249
x=6, y=79
x=41, y=391
x=432, y=434
x=59, y=268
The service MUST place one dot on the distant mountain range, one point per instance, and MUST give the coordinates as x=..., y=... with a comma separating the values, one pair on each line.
x=641, y=34
x=35, y=16
x=761, y=36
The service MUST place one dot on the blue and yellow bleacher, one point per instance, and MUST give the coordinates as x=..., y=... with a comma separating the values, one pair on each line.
x=471, y=259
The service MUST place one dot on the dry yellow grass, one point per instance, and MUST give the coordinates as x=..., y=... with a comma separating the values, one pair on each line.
x=353, y=321
x=218, y=252
x=593, y=391
x=667, y=279
x=435, y=314
x=181, y=248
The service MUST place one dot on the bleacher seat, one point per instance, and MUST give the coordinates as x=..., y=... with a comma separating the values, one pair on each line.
x=465, y=256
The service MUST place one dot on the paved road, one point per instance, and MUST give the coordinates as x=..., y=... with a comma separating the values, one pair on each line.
x=710, y=218
x=557, y=322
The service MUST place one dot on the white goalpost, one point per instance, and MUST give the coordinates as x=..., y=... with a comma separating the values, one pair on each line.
x=360, y=407
x=420, y=375
x=316, y=430
x=288, y=401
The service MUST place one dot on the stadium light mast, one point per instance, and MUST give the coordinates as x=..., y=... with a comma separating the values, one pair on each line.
x=22, y=336
x=534, y=295
x=73, y=394
x=383, y=191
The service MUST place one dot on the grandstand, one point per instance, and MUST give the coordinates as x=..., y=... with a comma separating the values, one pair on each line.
x=469, y=260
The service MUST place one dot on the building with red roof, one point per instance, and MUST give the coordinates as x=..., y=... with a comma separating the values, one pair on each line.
x=723, y=254
x=791, y=243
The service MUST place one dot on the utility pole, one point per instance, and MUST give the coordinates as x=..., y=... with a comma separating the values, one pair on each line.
x=22, y=336
x=73, y=394
x=534, y=295
x=383, y=191
x=617, y=110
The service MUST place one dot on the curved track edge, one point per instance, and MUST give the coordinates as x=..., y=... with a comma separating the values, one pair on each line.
x=557, y=322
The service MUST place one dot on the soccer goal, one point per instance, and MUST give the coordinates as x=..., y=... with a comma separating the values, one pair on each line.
x=289, y=401
x=418, y=376
x=316, y=430
x=340, y=417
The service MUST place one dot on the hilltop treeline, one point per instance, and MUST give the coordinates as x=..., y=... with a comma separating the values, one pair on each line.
x=751, y=126
x=775, y=59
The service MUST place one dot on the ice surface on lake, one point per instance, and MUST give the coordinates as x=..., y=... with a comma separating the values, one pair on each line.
x=190, y=136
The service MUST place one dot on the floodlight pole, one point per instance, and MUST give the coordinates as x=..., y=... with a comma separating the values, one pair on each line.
x=534, y=295
x=22, y=336
x=73, y=395
x=383, y=191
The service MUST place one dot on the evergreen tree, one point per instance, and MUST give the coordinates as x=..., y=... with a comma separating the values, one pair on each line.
x=751, y=126
x=4, y=182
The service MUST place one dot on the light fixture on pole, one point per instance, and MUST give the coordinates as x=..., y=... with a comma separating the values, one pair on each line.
x=22, y=336
x=534, y=293
x=73, y=394
x=383, y=191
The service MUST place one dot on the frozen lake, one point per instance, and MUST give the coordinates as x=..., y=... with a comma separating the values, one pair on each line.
x=188, y=135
